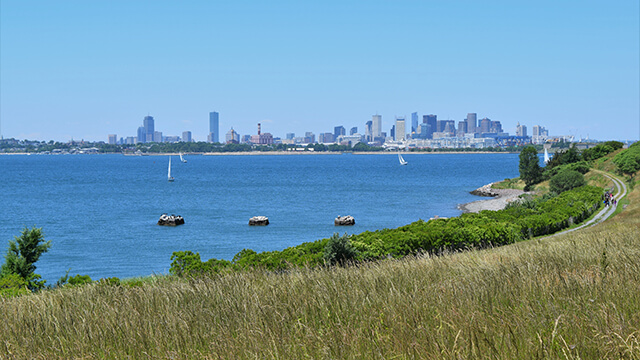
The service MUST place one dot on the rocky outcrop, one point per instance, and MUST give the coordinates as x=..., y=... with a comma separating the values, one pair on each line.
x=344, y=220
x=259, y=221
x=486, y=190
x=170, y=220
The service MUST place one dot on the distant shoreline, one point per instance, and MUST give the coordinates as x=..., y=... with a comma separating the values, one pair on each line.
x=253, y=153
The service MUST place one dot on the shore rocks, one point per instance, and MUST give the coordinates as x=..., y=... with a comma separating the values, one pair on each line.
x=485, y=190
x=344, y=220
x=259, y=221
x=170, y=220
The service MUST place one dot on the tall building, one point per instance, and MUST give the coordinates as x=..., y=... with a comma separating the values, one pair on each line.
x=432, y=121
x=462, y=128
x=290, y=136
x=309, y=137
x=354, y=130
x=149, y=128
x=521, y=130
x=367, y=130
x=142, y=135
x=376, y=126
x=186, y=136
x=485, y=125
x=157, y=136
x=414, y=122
x=214, y=125
x=472, y=122
x=339, y=130
x=401, y=133
x=392, y=131
x=113, y=139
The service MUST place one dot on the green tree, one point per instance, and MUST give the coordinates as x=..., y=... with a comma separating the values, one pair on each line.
x=24, y=251
x=566, y=180
x=530, y=171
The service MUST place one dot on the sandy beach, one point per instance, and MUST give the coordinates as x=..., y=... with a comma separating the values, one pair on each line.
x=499, y=202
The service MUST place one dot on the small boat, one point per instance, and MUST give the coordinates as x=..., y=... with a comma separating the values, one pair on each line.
x=170, y=178
x=401, y=159
x=546, y=156
x=182, y=159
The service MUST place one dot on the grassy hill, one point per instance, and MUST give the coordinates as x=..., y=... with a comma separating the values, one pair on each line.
x=573, y=296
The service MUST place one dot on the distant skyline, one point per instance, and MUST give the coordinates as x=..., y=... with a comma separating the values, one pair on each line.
x=83, y=70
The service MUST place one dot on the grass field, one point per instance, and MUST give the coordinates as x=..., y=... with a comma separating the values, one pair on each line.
x=575, y=296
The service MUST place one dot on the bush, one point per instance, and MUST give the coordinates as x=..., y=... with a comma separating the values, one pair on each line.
x=566, y=180
x=13, y=285
x=339, y=250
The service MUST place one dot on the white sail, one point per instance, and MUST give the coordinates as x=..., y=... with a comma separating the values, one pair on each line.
x=546, y=156
x=401, y=159
x=169, y=175
x=182, y=159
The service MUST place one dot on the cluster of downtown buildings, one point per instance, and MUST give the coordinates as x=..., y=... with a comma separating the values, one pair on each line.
x=428, y=133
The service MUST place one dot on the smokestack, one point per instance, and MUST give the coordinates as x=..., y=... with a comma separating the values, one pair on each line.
x=258, y=128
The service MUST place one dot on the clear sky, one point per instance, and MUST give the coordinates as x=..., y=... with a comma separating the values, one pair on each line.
x=85, y=69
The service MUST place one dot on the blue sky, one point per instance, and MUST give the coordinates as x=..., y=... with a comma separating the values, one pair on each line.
x=85, y=69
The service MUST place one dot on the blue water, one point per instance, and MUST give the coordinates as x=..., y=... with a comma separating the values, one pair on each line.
x=100, y=211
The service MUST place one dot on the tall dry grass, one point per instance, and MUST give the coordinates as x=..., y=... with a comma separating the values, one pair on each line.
x=572, y=297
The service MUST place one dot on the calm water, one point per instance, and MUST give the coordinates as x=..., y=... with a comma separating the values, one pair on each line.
x=100, y=211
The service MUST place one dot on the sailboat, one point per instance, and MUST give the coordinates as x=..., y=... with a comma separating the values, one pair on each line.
x=170, y=178
x=182, y=159
x=401, y=159
x=546, y=156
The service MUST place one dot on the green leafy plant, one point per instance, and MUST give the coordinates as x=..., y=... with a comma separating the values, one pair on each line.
x=24, y=251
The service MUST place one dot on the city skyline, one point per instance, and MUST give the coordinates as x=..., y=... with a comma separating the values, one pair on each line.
x=67, y=72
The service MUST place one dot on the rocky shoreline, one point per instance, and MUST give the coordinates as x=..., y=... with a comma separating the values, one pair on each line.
x=501, y=197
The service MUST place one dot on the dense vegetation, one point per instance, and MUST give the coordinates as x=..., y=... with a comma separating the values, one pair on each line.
x=628, y=161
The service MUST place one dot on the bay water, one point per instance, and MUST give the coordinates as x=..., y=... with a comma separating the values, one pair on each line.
x=100, y=211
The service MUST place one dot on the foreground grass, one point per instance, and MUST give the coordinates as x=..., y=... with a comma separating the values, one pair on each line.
x=573, y=296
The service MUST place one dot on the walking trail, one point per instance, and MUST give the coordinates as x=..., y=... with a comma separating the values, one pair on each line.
x=604, y=214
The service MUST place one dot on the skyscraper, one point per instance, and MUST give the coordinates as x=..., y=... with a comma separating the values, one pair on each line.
x=353, y=130
x=339, y=130
x=186, y=136
x=214, y=135
x=113, y=139
x=485, y=125
x=521, y=130
x=376, y=126
x=142, y=135
x=367, y=131
x=414, y=122
x=149, y=129
x=472, y=122
x=432, y=121
x=400, y=129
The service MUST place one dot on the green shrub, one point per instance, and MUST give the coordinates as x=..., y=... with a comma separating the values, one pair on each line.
x=566, y=180
x=339, y=250
x=13, y=285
